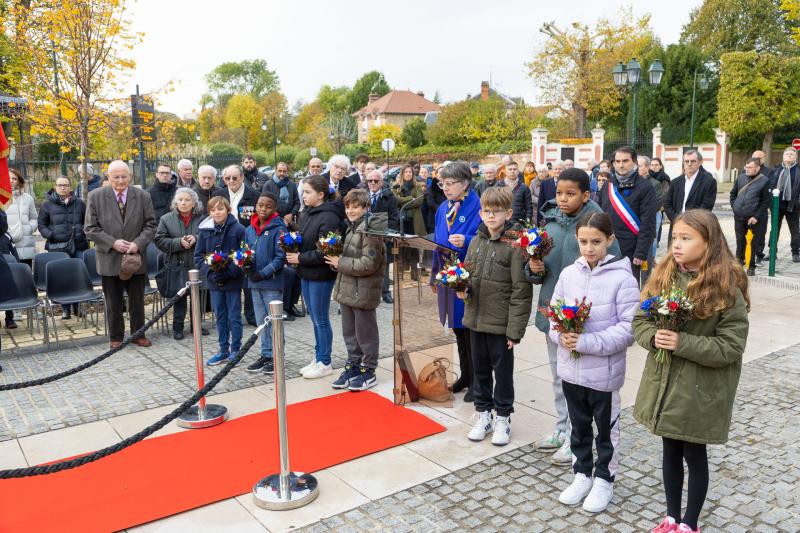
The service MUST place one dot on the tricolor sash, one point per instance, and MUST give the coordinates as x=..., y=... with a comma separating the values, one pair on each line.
x=622, y=208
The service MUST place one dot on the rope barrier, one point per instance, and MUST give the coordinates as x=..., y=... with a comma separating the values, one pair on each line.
x=135, y=335
x=146, y=432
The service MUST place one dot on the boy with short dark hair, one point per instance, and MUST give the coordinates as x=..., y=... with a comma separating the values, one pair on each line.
x=496, y=314
x=560, y=216
x=358, y=290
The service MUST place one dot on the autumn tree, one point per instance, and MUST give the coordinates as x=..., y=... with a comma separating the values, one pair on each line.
x=88, y=39
x=413, y=134
x=758, y=94
x=719, y=26
x=371, y=82
x=573, y=67
x=250, y=77
x=791, y=10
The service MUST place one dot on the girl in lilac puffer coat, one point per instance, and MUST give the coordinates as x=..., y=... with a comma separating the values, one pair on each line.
x=592, y=382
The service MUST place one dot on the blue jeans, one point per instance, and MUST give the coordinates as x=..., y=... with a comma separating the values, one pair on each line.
x=261, y=300
x=228, y=310
x=317, y=295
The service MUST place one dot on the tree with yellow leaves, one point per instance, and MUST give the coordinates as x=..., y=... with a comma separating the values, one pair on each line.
x=74, y=65
x=573, y=68
x=792, y=13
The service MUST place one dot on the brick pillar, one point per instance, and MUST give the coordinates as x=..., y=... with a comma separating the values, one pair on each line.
x=598, y=142
x=658, y=146
x=722, y=154
x=538, y=145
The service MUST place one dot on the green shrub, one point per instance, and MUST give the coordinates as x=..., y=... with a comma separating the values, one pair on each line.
x=262, y=157
x=225, y=150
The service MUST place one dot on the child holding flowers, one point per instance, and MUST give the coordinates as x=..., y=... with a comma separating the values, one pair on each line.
x=560, y=216
x=496, y=314
x=687, y=399
x=593, y=374
x=220, y=233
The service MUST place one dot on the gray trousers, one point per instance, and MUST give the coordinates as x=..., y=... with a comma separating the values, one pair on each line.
x=360, y=332
x=562, y=414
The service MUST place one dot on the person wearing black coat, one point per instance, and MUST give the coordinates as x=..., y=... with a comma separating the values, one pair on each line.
x=383, y=200
x=242, y=199
x=319, y=218
x=282, y=187
x=162, y=191
x=522, y=204
x=61, y=217
x=547, y=192
x=702, y=191
x=786, y=178
x=634, y=195
x=8, y=291
x=434, y=196
x=750, y=198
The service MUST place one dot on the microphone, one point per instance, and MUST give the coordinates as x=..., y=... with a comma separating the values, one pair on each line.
x=403, y=215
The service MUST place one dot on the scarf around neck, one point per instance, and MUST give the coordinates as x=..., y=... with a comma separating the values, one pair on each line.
x=785, y=182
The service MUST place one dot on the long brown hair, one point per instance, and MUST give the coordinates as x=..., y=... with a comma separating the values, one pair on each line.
x=720, y=274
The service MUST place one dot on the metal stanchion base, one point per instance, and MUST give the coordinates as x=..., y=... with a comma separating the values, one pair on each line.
x=214, y=414
x=303, y=489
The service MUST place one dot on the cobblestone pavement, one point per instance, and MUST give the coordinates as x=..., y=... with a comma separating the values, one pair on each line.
x=754, y=478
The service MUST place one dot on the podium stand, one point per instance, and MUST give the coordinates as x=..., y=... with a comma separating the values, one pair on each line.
x=425, y=310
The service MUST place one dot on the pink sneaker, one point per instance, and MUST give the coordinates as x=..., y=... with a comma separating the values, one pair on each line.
x=683, y=528
x=666, y=526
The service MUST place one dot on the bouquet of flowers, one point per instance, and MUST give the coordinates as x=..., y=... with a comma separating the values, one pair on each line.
x=532, y=240
x=671, y=310
x=244, y=257
x=290, y=241
x=217, y=261
x=569, y=318
x=331, y=244
x=454, y=274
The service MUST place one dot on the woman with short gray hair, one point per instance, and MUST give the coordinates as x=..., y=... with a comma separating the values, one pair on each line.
x=176, y=236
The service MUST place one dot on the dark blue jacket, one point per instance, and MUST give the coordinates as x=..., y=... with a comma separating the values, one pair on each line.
x=547, y=192
x=225, y=239
x=269, y=257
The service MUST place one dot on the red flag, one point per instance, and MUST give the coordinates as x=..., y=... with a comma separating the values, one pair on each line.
x=5, y=179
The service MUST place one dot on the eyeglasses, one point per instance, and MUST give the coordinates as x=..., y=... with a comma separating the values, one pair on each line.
x=491, y=213
x=445, y=184
x=62, y=184
x=374, y=181
x=690, y=161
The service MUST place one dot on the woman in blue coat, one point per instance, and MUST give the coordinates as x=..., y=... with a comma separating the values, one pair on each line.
x=221, y=232
x=457, y=221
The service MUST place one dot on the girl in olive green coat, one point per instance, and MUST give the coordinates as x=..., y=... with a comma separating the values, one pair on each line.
x=688, y=399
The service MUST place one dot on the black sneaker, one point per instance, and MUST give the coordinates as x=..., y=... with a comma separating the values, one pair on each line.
x=795, y=258
x=269, y=367
x=751, y=271
x=177, y=334
x=288, y=318
x=258, y=365
x=364, y=380
x=350, y=371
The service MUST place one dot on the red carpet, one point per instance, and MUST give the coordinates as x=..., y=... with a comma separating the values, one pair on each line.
x=166, y=475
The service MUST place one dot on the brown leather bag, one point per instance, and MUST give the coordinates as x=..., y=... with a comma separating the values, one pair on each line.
x=432, y=381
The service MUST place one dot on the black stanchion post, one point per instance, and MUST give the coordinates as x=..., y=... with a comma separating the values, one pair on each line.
x=201, y=415
x=287, y=489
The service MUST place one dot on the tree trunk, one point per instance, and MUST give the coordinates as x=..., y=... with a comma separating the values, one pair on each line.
x=580, y=119
x=84, y=157
x=766, y=146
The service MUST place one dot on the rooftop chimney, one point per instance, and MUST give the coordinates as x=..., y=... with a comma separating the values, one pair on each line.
x=484, y=90
x=372, y=97
x=420, y=93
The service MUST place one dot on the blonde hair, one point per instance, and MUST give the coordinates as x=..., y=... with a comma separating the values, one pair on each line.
x=720, y=274
x=216, y=201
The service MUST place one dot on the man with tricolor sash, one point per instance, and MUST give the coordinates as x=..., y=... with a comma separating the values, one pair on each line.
x=630, y=200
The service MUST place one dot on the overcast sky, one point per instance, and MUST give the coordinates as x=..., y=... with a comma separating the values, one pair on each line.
x=449, y=46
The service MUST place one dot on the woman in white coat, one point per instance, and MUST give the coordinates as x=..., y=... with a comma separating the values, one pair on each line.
x=22, y=219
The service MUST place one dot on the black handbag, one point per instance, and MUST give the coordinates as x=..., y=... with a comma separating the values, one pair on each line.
x=171, y=277
x=67, y=247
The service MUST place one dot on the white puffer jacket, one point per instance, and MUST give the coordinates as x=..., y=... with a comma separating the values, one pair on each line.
x=22, y=210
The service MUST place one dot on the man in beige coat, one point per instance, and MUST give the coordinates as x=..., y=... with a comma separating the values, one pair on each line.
x=120, y=220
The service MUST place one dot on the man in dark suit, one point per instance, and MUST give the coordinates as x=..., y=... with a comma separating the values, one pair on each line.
x=243, y=200
x=696, y=188
x=120, y=220
x=383, y=200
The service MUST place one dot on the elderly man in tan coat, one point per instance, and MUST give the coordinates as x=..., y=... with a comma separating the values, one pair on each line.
x=120, y=221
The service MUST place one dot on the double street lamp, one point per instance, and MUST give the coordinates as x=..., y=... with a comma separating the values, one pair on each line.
x=630, y=74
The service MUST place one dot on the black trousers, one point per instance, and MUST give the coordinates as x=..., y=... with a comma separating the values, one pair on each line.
x=491, y=354
x=291, y=288
x=586, y=405
x=464, y=359
x=760, y=239
x=793, y=221
x=740, y=226
x=249, y=312
x=114, y=290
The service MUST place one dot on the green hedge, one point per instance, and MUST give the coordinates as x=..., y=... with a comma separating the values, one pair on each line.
x=223, y=150
x=431, y=152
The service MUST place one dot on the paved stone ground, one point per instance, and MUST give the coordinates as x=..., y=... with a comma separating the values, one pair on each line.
x=754, y=478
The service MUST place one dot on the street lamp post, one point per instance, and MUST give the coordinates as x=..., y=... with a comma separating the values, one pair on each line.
x=703, y=87
x=630, y=74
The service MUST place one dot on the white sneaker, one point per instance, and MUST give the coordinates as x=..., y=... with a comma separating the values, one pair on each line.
x=599, y=497
x=309, y=366
x=483, y=425
x=551, y=442
x=320, y=370
x=502, y=430
x=577, y=490
x=563, y=456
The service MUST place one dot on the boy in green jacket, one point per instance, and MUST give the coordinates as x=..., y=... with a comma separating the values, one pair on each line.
x=496, y=313
x=560, y=216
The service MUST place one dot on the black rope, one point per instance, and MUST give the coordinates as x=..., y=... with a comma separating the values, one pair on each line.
x=88, y=364
x=146, y=432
